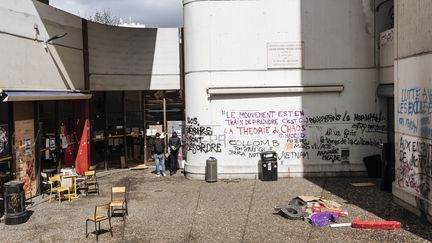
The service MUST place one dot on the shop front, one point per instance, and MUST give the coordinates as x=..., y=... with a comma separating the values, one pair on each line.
x=123, y=121
x=42, y=132
x=6, y=161
x=63, y=135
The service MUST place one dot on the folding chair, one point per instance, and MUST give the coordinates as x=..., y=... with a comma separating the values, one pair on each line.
x=90, y=180
x=57, y=187
x=97, y=218
x=119, y=200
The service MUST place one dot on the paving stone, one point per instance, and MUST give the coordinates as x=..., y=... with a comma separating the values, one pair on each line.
x=175, y=209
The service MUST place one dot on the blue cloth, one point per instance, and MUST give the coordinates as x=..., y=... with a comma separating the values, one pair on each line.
x=160, y=162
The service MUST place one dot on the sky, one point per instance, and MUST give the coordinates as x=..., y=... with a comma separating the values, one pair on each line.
x=152, y=13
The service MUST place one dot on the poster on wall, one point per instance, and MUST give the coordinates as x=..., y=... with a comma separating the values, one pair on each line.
x=52, y=144
x=47, y=151
x=174, y=126
x=27, y=146
x=285, y=55
x=153, y=129
x=4, y=144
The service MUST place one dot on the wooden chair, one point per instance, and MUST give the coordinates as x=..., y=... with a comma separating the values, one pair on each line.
x=97, y=218
x=92, y=167
x=57, y=187
x=90, y=180
x=119, y=200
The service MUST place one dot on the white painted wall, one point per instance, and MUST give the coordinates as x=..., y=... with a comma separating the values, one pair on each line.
x=133, y=58
x=226, y=46
x=413, y=105
x=386, y=54
x=26, y=64
x=414, y=33
x=120, y=58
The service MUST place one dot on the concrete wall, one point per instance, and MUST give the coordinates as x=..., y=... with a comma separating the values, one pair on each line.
x=386, y=62
x=26, y=64
x=412, y=187
x=133, y=58
x=281, y=43
x=120, y=58
x=24, y=141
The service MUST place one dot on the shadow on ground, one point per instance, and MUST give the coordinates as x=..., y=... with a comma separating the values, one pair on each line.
x=374, y=201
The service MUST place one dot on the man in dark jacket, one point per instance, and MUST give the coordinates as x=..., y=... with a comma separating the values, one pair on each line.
x=158, y=149
x=174, y=144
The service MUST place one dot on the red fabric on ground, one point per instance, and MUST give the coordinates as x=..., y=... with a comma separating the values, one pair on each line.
x=389, y=225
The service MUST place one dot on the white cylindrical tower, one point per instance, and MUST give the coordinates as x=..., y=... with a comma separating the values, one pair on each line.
x=297, y=77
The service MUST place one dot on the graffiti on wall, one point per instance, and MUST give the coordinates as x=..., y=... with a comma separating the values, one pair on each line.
x=296, y=135
x=293, y=134
x=200, y=138
x=414, y=165
x=26, y=164
x=414, y=110
x=29, y=176
x=414, y=157
x=286, y=124
x=251, y=148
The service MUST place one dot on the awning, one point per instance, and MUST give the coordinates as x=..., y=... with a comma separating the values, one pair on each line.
x=11, y=96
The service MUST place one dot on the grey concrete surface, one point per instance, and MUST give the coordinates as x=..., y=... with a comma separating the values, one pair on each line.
x=175, y=209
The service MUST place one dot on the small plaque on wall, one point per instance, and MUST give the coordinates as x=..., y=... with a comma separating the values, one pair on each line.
x=284, y=55
x=27, y=146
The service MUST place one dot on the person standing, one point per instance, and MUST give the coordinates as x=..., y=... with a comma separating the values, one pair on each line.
x=174, y=144
x=157, y=149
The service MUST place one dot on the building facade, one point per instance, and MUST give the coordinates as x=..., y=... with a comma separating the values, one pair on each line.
x=296, y=77
x=413, y=82
x=57, y=68
x=327, y=84
x=43, y=90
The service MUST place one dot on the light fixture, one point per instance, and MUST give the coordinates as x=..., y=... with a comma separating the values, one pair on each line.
x=53, y=38
x=275, y=89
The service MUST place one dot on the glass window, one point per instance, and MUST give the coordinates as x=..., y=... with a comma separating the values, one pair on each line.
x=5, y=145
x=134, y=124
x=115, y=126
x=47, y=132
x=97, y=111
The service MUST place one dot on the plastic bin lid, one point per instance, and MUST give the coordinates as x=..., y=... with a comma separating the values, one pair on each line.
x=268, y=155
x=13, y=184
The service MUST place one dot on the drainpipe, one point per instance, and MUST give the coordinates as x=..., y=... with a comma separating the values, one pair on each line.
x=144, y=134
x=165, y=122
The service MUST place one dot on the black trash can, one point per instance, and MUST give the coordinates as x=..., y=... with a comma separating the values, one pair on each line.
x=373, y=165
x=14, y=203
x=268, y=167
x=1, y=203
x=1, y=207
x=211, y=170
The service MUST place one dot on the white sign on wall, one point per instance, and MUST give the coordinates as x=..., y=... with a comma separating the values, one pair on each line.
x=285, y=55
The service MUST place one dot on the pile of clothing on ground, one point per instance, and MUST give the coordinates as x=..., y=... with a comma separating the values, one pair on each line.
x=319, y=212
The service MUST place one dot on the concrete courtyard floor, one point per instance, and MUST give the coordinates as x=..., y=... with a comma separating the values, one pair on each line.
x=175, y=209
